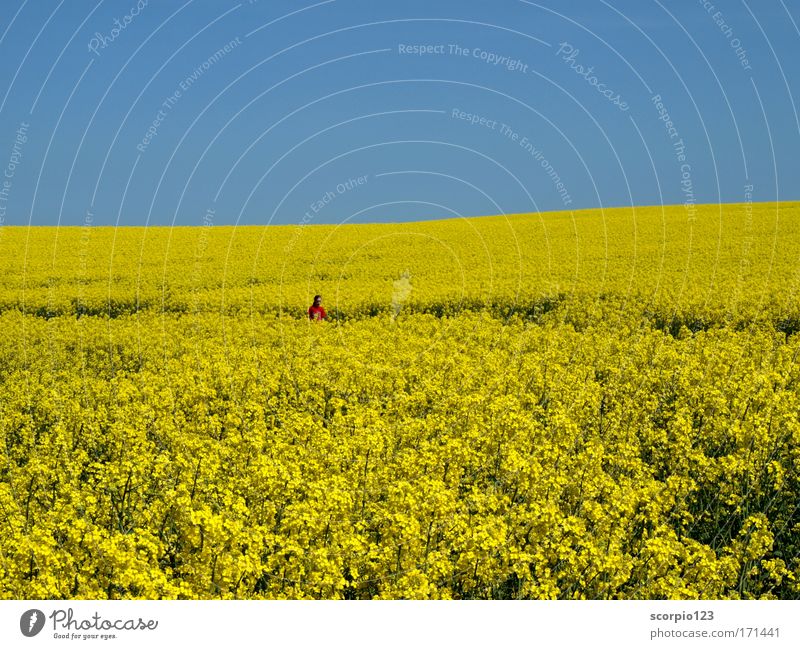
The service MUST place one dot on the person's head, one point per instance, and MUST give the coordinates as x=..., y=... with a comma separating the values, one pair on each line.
x=317, y=300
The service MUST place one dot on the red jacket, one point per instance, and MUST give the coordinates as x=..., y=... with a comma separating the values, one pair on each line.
x=317, y=313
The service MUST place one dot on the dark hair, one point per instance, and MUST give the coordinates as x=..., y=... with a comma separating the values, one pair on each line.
x=317, y=297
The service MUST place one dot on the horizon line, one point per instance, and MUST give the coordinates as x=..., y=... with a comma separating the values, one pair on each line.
x=431, y=220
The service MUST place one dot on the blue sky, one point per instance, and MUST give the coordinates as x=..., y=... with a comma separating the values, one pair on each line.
x=156, y=113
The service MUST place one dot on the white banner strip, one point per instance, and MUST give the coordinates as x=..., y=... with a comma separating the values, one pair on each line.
x=355, y=624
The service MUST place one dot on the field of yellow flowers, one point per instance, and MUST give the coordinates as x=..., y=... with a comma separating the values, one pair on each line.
x=598, y=404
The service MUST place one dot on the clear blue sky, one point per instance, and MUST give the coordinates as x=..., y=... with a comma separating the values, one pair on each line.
x=154, y=122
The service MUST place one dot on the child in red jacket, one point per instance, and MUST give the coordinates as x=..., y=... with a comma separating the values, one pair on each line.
x=316, y=311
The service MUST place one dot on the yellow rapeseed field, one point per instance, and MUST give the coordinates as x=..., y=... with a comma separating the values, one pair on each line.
x=596, y=404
